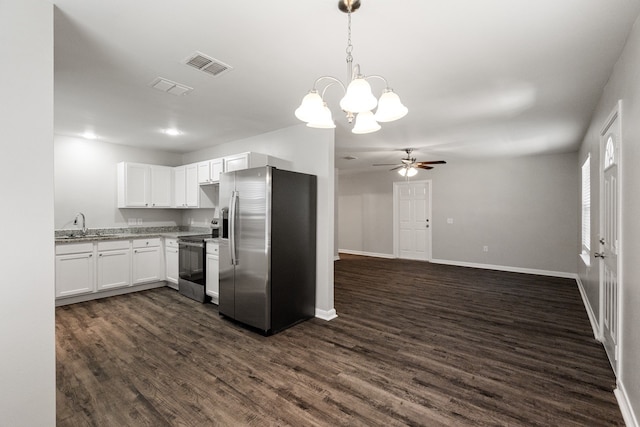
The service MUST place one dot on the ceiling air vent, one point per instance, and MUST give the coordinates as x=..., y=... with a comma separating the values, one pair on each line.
x=166, y=85
x=207, y=64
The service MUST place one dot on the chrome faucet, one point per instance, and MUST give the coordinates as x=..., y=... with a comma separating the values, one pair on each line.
x=84, y=223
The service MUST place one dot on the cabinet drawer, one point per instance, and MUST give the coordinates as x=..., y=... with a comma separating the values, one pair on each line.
x=113, y=245
x=146, y=243
x=213, y=248
x=171, y=243
x=74, y=248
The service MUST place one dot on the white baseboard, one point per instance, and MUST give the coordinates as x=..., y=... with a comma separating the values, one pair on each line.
x=371, y=254
x=562, y=274
x=626, y=408
x=326, y=314
x=587, y=306
x=109, y=293
x=336, y=258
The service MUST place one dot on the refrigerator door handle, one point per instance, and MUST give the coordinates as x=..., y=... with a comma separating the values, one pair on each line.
x=232, y=227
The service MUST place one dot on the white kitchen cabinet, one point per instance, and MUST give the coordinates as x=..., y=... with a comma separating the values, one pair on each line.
x=180, y=183
x=209, y=171
x=114, y=264
x=245, y=161
x=133, y=185
x=171, y=262
x=212, y=285
x=187, y=187
x=192, y=186
x=161, y=186
x=144, y=186
x=75, y=268
x=147, y=261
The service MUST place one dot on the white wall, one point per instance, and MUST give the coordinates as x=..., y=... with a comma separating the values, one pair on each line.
x=306, y=150
x=623, y=84
x=523, y=209
x=27, y=371
x=85, y=181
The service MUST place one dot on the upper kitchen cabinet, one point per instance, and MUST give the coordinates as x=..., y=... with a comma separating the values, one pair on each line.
x=245, y=161
x=144, y=186
x=209, y=171
x=186, y=186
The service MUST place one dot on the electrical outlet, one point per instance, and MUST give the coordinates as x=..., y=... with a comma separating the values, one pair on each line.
x=131, y=221
x=139, y=221
x=485, y=249
x=449, y=220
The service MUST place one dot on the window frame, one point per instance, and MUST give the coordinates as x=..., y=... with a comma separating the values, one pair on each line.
x=585, y=205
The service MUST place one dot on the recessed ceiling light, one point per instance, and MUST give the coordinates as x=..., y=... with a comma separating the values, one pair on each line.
x=89, y=135
x=172, y=132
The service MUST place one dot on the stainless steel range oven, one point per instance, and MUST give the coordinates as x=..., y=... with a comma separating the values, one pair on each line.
x=191, y=266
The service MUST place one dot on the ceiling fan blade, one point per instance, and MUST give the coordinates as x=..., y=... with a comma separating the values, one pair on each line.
x=396, y=168
x=433, y=162
x=423, y=167
x=386, y=164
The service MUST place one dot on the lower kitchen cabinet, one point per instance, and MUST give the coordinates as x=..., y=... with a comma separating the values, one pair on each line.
x=212, y=284
x=114, y=264
x=86, y=270
x=75, y=269
x=146, y=260
x=171, y=262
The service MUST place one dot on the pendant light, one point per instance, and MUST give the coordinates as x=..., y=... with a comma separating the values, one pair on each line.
x=358, y=102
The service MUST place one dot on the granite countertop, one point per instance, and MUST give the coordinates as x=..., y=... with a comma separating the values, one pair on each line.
x=102, y=234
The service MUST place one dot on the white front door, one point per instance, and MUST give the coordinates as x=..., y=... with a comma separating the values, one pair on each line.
x=609, y=237
x=412, y=212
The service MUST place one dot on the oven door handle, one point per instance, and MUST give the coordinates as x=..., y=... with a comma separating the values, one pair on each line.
x=233, y=206
x=194, y=245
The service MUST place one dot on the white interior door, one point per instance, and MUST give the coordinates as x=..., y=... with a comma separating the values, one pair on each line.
x=609, y=237
x=412, y=231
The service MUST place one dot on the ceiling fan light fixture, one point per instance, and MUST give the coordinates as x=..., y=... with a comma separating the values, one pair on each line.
x=408, y=171
x=365, y=123
x=389, y=107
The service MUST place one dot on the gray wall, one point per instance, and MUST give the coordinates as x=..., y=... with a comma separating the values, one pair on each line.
x=523, y=208
x=623, y=84
x=85, y=181
x=27, y=371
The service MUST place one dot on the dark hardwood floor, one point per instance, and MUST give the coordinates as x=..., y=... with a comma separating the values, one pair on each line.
x=414, y=344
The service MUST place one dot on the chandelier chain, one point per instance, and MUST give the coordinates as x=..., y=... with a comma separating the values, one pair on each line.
x=349, y=45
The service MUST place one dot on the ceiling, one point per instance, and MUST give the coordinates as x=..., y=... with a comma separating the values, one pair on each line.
x=480, y=78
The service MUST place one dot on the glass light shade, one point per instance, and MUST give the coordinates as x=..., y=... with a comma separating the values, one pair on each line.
x=358, y=97
x=390, y=108
x=310, y=107
x=365, y=123
x=408, y=171
x=323, y=119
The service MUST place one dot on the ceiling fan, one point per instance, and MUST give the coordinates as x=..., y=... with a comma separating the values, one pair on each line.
x=409, y=166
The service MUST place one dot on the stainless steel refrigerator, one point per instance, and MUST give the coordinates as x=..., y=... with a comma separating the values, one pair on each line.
x=267, y=247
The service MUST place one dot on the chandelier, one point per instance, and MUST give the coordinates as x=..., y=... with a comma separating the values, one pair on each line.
x=358, y=102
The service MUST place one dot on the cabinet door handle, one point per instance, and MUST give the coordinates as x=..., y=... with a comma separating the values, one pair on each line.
x=100, y=255
x=90, y=255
